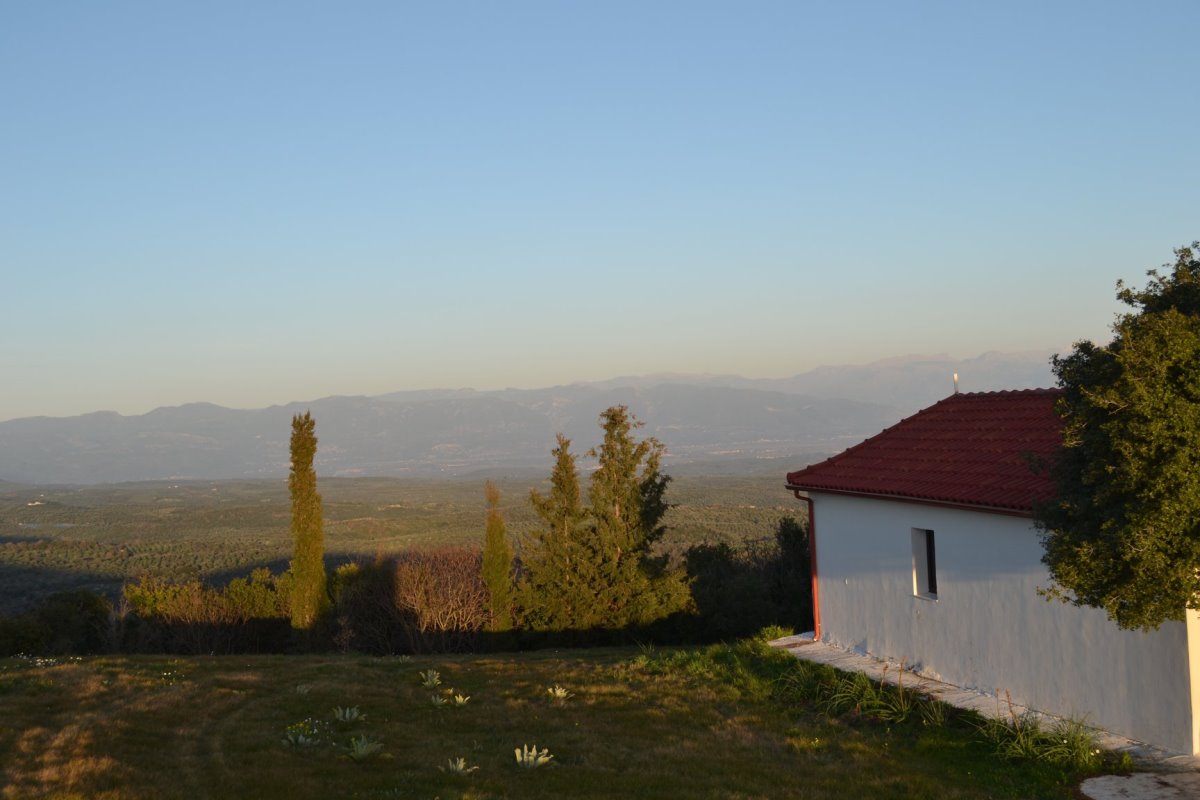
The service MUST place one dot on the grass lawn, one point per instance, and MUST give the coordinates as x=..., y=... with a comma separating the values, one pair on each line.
x=638, y=724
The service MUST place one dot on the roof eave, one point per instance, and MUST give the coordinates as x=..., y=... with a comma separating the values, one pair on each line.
x=924, y=501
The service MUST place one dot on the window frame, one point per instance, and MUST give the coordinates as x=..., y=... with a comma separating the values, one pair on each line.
x=924, y=563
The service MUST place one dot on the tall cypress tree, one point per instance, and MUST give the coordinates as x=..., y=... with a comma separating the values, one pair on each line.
x=497, y=563
x=627, y=503
x=551, y=591
x=309, y=596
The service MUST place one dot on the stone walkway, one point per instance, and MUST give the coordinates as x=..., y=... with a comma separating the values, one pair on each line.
x=1169, y=775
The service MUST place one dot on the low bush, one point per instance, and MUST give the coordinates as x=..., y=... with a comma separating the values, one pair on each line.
x=78, y=622
x=738, y=591
x=20, y=634
x=247, y=615
x=422, y=601
x=442, y=599
x=366, y=614
x=418, y=602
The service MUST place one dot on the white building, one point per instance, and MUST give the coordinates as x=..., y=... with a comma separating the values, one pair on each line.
x=925, y=552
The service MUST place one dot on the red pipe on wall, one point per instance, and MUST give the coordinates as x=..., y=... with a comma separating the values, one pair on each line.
x=812, y=565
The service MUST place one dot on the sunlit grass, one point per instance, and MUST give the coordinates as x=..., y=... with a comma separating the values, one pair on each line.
x=637, y=725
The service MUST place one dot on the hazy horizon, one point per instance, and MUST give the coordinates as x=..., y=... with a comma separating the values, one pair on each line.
x=135, y=410
x=249, y=204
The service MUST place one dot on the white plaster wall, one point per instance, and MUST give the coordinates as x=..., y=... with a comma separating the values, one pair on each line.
x=988, y=628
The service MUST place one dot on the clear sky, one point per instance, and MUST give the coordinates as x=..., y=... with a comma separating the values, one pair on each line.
x=251, y=203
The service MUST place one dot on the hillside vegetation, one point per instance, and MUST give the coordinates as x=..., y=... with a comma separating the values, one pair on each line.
x=97, y=537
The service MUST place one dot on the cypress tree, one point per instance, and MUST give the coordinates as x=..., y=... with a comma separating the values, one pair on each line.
x=497, y=563
x=592, y=567
x=550, y=591
x=309, y=596
x=627, y=503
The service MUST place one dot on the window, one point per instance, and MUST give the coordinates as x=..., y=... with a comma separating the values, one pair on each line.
x=924, y=563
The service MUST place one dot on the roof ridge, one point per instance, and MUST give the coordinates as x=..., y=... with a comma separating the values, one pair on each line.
x=1008, y=392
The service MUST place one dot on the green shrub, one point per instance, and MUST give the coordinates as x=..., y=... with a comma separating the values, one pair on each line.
x=789, y=574
x=192, y=617
x=21, y=634
x=77, y=623
x=730, y=591
x=262, y=596
x=737, y=591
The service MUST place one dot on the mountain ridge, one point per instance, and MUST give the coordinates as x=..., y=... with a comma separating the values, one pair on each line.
x=456, y=431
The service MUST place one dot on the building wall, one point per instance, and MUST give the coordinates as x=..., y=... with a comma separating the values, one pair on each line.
x=989, y=629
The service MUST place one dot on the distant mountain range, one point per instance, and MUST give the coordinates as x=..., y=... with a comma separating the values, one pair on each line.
x=724, y=419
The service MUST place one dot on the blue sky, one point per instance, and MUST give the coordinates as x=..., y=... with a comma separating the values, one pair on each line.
x=254, y=203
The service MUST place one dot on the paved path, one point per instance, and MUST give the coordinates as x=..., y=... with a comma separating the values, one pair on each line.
x=1144, y=786
x=1169, y=776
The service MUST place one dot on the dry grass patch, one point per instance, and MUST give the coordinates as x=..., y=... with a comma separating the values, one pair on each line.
x=632, y=726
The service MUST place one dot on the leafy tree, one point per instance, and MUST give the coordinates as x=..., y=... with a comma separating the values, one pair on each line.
x=593, y=567
x=1123, y=533
x=497, y=563
x=309, y=596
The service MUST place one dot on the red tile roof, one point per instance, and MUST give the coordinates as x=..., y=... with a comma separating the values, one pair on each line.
x=969, y=450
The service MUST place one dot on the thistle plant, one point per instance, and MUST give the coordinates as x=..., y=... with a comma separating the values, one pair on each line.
x=460, y=700
x=558, y=694
x=302, y=734
x=438, y=701
x=530, y=757
x=349, y=714
x=362, y=748
x=457, y=766
x=430, y=678
x=303, y=688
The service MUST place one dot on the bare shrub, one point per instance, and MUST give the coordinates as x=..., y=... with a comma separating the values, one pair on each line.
x=442, y=598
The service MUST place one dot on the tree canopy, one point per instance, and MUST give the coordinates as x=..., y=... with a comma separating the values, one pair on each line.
x=1123, y=533
x=591, y=566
